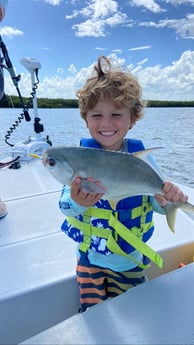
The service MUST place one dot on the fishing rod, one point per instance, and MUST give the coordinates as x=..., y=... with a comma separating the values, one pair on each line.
x=32, y=65
x=36, y=144
x=8, y=65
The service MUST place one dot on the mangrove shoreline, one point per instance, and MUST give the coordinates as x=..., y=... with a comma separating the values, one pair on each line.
x=14, y=102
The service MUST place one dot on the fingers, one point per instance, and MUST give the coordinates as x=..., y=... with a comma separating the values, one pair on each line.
x=97, y=182
x=161, y=200
x=81, y=197
x=171, y=193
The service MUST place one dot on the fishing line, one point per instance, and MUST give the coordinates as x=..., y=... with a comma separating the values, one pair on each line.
x=24, y=114
x=5, y=63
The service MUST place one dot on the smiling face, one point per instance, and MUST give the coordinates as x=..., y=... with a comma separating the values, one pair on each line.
x=108, y=124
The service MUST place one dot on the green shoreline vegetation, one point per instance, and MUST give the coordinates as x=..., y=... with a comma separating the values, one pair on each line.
x=14, y=102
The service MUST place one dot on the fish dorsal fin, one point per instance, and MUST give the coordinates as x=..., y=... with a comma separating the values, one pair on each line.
x=145, y=156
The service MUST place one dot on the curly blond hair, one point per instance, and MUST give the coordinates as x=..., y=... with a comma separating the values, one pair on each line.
x=115, y=85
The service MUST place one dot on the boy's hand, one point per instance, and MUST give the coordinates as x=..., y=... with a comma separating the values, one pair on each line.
x=170, y=193
x=81, y=197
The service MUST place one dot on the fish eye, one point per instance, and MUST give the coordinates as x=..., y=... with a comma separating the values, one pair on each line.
x=51, y=162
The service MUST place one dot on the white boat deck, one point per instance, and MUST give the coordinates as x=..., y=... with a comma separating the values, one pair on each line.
x=38, y=287
x=157, y=312
x=31, y=228
x=37, y=261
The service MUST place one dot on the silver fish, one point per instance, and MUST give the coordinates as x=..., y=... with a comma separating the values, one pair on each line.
x=122, y=174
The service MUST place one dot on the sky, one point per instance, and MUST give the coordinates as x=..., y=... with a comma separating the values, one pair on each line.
x=154, y=39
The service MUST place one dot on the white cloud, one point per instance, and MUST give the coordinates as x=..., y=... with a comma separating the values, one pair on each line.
x=10, y=32
x=153, y=6
x=73, y=15
x=117, y=51
x=60, y=70
x=174, y=82
x=53, y=2
x=179, y=2
x=101, y=9
x=100, y=48
x=98, y=16
x=142, y=62
x=72, y=69
x=150, y=5
x=90, y=28
x=116, y=19
x=140, y=48
x=183, y=27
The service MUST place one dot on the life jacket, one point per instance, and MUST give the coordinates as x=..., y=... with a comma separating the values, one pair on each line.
x=119, y=228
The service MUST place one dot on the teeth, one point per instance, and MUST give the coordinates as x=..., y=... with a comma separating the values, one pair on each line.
x=107, y=133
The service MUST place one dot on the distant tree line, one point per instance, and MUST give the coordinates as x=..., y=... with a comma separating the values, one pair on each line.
x=14, y=102
x=159, y=104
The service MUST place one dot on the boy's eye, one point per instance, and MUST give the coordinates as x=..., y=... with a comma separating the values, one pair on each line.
x=96, y=115
x=116, y=114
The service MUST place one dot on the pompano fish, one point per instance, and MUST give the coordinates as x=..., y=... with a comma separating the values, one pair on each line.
x=122, y=174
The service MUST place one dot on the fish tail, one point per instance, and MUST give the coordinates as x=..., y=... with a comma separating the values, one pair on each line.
x=171, y=210
x=186, y=206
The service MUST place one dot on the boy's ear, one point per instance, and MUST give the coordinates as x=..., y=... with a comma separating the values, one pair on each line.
x=133, y=122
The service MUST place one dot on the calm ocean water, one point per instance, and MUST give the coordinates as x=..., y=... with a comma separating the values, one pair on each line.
x=169, y=128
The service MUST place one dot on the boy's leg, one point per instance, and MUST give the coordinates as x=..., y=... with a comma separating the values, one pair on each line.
x=92, y=284
x=119, y=282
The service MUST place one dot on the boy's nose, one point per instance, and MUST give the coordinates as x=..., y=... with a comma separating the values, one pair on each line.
x=106, y=121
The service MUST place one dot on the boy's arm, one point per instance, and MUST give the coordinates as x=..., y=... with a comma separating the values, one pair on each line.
x=74, y=201
x=67, y=205
x=156, y=206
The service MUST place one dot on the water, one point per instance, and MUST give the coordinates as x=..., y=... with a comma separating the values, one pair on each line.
x=169, y=128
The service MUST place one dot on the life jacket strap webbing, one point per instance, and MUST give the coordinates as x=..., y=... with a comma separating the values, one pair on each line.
x=135, y=242
x=89, y=230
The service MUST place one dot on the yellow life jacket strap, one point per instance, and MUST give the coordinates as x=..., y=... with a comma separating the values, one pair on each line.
x=89, y=230
x=122, y=231
x=112, y=245
x=134, y=241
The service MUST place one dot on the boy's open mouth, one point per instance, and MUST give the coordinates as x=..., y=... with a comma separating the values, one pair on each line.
x=107, y=134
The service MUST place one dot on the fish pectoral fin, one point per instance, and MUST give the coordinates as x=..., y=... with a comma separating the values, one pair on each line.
x=171, y=210
x=91, y=187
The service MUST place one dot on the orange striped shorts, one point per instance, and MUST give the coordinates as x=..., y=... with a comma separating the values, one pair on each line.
x=97, y=284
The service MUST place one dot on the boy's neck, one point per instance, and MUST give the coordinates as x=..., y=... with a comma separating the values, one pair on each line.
x=123, y=147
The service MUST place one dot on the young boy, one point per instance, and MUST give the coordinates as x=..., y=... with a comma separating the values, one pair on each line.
x=110, y=103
